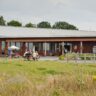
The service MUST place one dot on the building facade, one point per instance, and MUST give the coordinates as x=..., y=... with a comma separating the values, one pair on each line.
x=48, y=42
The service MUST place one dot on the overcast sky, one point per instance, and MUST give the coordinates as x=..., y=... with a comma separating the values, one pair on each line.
x=81, y=13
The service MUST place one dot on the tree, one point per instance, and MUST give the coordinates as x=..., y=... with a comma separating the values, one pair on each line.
x=44, y=24
x=14, y=23
x=64, y=25
x=30, y=25
x=72, y=27
x=2, y=21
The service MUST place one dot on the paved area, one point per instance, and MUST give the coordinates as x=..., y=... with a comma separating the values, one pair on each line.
x=55, y=58
x=79, y=61
x=49, y=58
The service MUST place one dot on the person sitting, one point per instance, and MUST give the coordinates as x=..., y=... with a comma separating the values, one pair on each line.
x=34, y=55
x=27, y=55
x=37, y=55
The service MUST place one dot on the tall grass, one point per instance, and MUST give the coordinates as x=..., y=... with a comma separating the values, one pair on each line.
x=46, y=78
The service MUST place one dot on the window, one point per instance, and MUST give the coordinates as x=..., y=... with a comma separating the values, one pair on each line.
x=3, y=45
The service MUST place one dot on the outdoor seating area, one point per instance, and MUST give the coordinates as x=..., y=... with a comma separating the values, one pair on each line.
x=14, y=52
x=29, y=55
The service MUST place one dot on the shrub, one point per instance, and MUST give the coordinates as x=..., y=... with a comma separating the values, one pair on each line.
x=61, y=57
x=81, y=57
x=71, y=55
x=87, y=56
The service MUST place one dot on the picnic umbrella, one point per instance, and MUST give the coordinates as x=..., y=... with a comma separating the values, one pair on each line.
x=13, y=48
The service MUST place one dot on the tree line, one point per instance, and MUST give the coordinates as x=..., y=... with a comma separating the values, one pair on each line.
x=43, y=24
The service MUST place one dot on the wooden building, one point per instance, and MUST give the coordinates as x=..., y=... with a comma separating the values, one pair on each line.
x=47, y=41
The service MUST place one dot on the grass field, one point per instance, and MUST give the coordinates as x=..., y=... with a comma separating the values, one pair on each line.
x=46, y=78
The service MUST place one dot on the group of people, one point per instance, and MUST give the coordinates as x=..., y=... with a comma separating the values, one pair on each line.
x=13, y=53
x=31, y=55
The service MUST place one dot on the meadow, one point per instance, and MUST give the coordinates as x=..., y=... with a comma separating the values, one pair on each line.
x=46, y=78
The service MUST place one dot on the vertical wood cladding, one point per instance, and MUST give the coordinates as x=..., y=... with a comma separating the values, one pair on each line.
x=87, y=47
x=6, y=48
x=0, y=47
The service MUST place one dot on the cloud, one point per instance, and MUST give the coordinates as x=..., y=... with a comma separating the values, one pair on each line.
x=89, y=5
x=81, y=12
x=57, y=1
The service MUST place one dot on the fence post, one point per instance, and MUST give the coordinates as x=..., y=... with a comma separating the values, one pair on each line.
x=94, y=58
x=76, y=58
x=85, y=57
x=67, y=57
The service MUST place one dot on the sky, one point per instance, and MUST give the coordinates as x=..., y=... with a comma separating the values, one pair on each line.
x=81, y=13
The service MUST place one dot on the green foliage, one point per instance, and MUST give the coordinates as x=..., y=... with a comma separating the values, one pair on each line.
x=64, y=25
x=71, y=56
x=55, y=93
x=87, y=56
x=94, y=78
x=29, y=25
x=44, y=24
x=14, y=23
x=46, y=78
x=2, y=21
x=61, y=57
